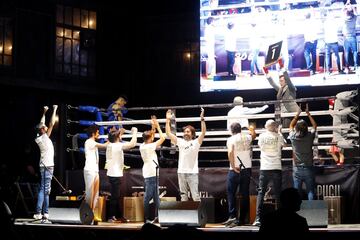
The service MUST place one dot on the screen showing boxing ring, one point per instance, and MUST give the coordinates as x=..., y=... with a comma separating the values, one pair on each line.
x=319, y=42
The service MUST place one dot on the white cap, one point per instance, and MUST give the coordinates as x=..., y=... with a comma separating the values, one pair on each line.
x=271, y=125
x=238, y=100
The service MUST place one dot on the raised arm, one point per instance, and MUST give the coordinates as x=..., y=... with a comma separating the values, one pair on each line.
x=42, y=120
x=170, y=135
x=133, y=140
x=203, y=127
x=269, y=78
x=156, y=125
x=52, y=120
x=313, y=123
x=295, y=119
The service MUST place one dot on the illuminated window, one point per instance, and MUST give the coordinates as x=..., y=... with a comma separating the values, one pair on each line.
x=6, y=42
x=75, y=41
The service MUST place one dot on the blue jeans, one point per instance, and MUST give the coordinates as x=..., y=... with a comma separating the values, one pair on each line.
x=350, y=45
x=335, y=48
x=230, y=62
x=310, y=55
x=234, y=180
x=42, y=205
x=306, y=175
x=265, y=177
x=151, y=192
x=254, y=62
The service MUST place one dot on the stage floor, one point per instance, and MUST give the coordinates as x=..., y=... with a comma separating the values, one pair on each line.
x=210, y=227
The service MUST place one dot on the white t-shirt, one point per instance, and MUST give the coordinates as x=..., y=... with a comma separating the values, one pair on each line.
x=270, y=144
x=148, y=155
x=46, y=150
x=188, y=155
x=242, y=149
x=91, y=156
x=115, y=159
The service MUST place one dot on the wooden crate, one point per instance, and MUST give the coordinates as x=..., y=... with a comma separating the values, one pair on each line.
x=134, y=208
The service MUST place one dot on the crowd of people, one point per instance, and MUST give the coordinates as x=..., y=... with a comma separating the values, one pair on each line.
x=239, y=148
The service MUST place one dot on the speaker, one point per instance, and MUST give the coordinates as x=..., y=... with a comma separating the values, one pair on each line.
x=315, y=212
x=336, y=206
x=189, y=213
x=71, y=212
x=209, y=207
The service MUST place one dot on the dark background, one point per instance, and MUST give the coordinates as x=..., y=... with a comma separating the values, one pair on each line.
x=140, y=52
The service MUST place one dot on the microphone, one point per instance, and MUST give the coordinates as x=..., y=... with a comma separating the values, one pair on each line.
x=67, y=191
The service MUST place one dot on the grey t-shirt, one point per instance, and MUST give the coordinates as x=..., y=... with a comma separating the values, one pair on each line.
x=302, y=148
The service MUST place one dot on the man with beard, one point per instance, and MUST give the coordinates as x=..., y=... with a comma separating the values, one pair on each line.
x=188, y=171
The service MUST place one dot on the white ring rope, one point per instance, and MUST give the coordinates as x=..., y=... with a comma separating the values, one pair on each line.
x=223, y=105
x=345, y=143
x=221, y=118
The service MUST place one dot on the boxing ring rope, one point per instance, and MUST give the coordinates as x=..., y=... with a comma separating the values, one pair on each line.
x=224, y=105
x=221, y=118
x=212, y=136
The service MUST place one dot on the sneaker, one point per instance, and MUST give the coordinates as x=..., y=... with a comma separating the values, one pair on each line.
x=230, y=220
x=232, y=224
x=46, y=221
x=256, y=223
x=37, y=216
x=113, y=219
x=46, y=216
x=156, y=220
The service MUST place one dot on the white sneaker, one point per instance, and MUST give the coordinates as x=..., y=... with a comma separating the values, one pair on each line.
x=46, y=216
x=256, y=223
x=37, y=216
x=230, y=220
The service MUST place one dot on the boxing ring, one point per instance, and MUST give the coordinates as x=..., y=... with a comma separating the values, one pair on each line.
x=346, y=127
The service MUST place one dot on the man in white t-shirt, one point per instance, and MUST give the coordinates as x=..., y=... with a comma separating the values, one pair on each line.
x=91, y=169
x=115, y=165
x=150, y=168
x=270, y=143
x=46, y=163
x=239, y=155
x=240, y=110
x=188, y=171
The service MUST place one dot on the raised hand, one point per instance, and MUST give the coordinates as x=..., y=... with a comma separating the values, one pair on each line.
x=266, y=70
x=281, y=63
x=202, y=113
x=154, y=121
x=168, y=114
x=134, y=130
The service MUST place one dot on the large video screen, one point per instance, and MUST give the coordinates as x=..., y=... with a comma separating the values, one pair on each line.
x=319, y=42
